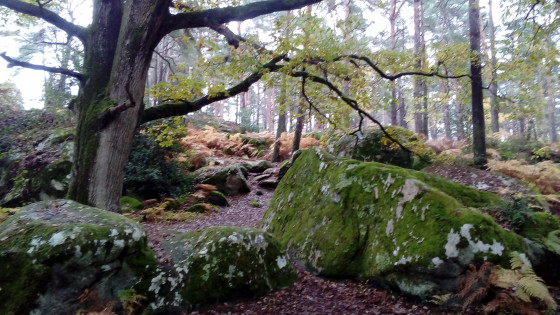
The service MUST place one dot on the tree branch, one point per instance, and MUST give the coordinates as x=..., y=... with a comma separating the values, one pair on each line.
x=217, y=16
x=390, y=77
x=184, y=107
x=13, y=62
x=46, y=15
x=352, y=103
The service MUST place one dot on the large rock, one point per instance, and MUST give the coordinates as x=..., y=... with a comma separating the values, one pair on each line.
x=221, y=263
x=407, y=229
x=372, y=145
x=52, y=252
x=230, y=180
x=43, y=174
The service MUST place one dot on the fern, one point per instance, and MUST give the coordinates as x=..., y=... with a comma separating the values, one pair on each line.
x=508, y=289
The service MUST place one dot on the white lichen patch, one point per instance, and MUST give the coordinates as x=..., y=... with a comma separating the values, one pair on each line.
x=119, y=243
x=321, y=166
x=437, y=261
x=34, y=244
x=281, y=261
x=404, y=260
x=114, y=233
x=453, y=240
x=58, y=238
x=390, y=227
x=475, y=245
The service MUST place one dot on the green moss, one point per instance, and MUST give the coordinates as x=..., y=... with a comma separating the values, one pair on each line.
x=229, y=262
x=129, y=204
x=539, y=225
x=344, y=218
x=199, y=208
x=48, y=242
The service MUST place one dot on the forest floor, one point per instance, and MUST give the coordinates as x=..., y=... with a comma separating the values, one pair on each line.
x=312, y=294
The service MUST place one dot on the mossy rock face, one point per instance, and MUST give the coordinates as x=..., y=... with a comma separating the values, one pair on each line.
x=230, y=180
x=218, y=199
x=373, y=146
x=408, y=229
x=222, y=263
x=52, y=251
x=43, y=174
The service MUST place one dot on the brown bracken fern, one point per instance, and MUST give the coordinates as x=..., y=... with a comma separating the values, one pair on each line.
x=512, y=290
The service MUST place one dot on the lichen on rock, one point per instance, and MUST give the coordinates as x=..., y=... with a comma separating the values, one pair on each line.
x=52, y=251
x=221, y=263
x=346, y=218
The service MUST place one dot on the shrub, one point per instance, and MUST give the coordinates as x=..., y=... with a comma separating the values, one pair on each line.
x=149, y=174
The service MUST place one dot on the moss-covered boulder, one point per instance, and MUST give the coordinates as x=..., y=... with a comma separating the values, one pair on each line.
x=43, y=174
x=372, y=145
x=51, y=252
x=221, y=263
x=408, y=229
x=230, y=180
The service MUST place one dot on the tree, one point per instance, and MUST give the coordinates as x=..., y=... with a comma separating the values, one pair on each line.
x=10, y=98
x=479, y=130
x=118, y=47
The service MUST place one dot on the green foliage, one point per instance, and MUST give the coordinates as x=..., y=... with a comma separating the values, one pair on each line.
x=518, y=148
x=149, y=174
x=131, y=301
x=516, y=213
x=167, y=133
x=10, y=99
x=255, y=203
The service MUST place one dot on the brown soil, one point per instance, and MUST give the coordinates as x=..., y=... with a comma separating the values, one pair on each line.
x=312, y=294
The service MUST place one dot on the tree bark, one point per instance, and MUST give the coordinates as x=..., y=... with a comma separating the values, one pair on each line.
x=418, y=93
x=551, y=105
x=493, y=88
x=479, y=131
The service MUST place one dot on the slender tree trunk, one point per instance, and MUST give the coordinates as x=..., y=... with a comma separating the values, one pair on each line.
x=493, y=88
x=282, y=120
x=417, y=81
x=402, y=106
x=551, y=105
x=479, y=131
x=393, y=13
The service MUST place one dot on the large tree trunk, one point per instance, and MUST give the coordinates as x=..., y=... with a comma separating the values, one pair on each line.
x=117, y=63
x=479, y=132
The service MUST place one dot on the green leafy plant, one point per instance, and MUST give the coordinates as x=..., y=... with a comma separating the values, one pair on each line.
x=131, y=301
x=255, y=204
x=149, y=174
x=516, y=213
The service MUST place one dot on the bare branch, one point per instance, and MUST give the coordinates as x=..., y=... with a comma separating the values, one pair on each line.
x=350, y=102
x=390, y=77
x=13, y=63
x=217, y=16
x=46, y=15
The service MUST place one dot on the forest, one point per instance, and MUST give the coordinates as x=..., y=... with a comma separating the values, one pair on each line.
x=279, y=157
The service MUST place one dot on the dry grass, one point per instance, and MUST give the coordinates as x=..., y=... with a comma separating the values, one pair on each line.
x=285, y=149
x=544, y=175
x=444, y=144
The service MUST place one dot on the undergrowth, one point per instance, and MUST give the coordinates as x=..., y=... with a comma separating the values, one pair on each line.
x=511, y=291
